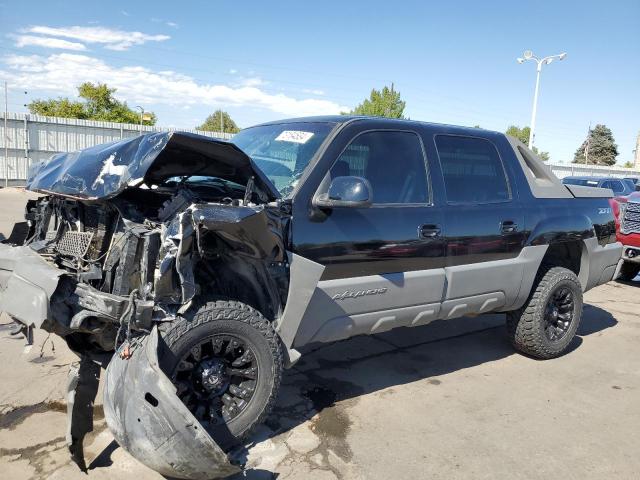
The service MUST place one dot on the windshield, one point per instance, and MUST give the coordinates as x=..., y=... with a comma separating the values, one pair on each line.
x=284, y=150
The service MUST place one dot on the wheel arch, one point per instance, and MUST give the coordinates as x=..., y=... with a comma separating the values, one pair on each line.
x=569, y=240
x=245, y=280
x=561, y=228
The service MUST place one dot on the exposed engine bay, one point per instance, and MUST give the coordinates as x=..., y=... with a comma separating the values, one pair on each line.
x=143, y=256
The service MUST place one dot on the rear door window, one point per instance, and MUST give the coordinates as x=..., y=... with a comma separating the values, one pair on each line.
x=472, y=169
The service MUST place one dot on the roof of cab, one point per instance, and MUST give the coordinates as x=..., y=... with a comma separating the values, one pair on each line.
x=343, y=119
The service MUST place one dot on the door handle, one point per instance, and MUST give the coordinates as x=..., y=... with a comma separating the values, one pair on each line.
x=508, y=226
x=428, y=231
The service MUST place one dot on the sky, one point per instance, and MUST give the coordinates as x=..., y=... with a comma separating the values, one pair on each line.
x=453, y=62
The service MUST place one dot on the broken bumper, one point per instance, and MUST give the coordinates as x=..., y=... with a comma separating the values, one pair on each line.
x=27, y=283
x=150, y=422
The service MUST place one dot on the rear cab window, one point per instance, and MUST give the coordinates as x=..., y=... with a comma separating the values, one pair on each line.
x=472, y=169
x=583, y=182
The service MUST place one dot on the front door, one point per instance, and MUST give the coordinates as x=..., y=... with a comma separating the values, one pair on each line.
x=383, y=263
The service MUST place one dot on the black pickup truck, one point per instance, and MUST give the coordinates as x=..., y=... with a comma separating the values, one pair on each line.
x=196, y=269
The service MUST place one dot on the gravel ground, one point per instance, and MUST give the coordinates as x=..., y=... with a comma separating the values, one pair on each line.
x=450, y=400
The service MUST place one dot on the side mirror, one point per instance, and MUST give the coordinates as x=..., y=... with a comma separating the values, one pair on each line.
x=344, y=192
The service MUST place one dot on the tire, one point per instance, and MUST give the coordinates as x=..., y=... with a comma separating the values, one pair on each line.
x=628, y=271
x=214, y=322
x=529, y=328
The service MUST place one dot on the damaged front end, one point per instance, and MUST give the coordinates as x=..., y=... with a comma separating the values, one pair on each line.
x=128, y=236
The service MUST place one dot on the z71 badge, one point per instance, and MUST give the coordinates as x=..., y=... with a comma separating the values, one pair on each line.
x=359, y=293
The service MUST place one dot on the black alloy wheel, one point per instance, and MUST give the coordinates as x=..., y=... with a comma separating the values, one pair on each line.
x=216, y=379
x=226, y=362
x=559, y=313
x=547, y=323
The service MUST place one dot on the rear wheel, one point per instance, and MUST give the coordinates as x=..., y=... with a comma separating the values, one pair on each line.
x=629, y=271
x=545, y=326
x=226, y=364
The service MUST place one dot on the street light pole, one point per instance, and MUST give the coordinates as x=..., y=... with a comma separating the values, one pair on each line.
x=528, y=55
x=534, y=110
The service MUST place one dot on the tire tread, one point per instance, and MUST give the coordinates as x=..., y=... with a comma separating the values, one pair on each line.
x=216, y=310
x=522, y=324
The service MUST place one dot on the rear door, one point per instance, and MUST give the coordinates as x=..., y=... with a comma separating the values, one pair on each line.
x=484, y=224
x=384, y=264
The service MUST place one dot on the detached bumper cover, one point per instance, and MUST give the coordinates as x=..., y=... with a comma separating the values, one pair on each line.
x=27, y=283
x=150, y=422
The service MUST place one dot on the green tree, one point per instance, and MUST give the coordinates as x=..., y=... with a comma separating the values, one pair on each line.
x=522, y=134
x=628, y=164
x=599, y=148
x=381, y=103
x=96, y=103
x=212, y=123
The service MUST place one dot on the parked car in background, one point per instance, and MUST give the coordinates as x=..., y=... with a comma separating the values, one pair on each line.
x=627, y=213
x=621, y=187
x=635, y=180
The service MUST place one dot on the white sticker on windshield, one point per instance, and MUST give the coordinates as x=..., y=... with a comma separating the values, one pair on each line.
x=294, y=136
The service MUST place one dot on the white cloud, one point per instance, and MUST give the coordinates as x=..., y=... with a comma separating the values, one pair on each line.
x=110, y=38
x=172, y=24
x=252, y=82
x=313, y=91
x=233, y=71
x=61, y=73
x=48, y=42
x=125, y=13
x=24, y=63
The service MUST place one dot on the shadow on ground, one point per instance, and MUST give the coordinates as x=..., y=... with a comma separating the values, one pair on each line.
x=342, y=371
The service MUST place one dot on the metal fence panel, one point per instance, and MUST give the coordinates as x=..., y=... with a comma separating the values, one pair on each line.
x=566, y=170
x=33, y=138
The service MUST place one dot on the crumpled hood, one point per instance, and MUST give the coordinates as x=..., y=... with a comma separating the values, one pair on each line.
x=106, y=170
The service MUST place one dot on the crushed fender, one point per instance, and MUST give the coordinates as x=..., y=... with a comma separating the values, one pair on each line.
x=150, y=422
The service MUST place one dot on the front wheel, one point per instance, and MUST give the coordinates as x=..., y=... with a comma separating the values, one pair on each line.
x=545, y=326
x=226, y=363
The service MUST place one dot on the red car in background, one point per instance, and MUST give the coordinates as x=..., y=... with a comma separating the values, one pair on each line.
x=627, y=214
